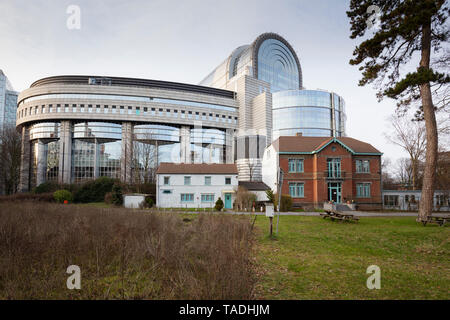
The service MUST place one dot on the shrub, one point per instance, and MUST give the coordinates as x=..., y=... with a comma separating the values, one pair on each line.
x=219, y=204
x=20, y=197
x=46, y=187
x=94, y=190
x=286, y=202
x=116, y=194
x=149, y=202
x=244, y=199
x=62, y=195
x=108, y=198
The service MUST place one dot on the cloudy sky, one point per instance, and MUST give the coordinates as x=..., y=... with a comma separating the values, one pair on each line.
x=183, y=41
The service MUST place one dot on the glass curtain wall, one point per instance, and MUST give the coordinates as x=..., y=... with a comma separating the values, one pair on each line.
x=310, y=112
x=44, y=138
x=277, y=65
x=96, y=150
x=207, y=145
x=152, y=144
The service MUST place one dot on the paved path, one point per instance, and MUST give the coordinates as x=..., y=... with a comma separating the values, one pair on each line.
x=314, y=214
x=356, y=213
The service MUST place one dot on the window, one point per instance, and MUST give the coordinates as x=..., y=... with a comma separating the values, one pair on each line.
x=362, y=166
x=187, y=197
x=334, y=168
x=167, y=191
x=207, y=197
x=227, y=180
x=166, y=181
x=297, y=189
x=440, y=200
x=295, y=165
x=207, y=181
x=391, y=200
x=363, y=190
x=187, y=181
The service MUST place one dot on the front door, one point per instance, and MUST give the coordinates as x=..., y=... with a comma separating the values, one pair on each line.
x=334, y=191
x=227, y=200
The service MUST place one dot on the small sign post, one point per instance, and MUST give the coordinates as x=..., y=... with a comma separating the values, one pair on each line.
x=269, y=213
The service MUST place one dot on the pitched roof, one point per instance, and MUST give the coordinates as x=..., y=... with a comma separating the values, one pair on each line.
x=254, y=185
x=315, y=144
x=196, y=168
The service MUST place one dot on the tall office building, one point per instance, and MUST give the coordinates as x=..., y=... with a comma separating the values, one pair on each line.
x=267, y=78
x=8, y=102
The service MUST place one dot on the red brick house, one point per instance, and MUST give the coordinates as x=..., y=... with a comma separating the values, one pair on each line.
x=320, y=169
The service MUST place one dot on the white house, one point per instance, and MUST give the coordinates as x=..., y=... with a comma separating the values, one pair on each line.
x=195, y=185
x=409, y=199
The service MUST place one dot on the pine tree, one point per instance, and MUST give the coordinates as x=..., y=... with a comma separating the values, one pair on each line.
x=406, y=29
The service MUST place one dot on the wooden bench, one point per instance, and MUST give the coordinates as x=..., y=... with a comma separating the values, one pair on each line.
x=440, y=220
x=337, y=215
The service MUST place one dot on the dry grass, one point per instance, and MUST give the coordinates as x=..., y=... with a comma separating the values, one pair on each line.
x=122, y=254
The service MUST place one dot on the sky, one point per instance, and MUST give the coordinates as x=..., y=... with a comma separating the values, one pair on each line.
x=184, y=40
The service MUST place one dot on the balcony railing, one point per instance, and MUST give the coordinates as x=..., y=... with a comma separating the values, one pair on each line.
x=335, y=174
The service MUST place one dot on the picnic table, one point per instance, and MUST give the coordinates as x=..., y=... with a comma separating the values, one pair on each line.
x=441, y=220
x=333, y=214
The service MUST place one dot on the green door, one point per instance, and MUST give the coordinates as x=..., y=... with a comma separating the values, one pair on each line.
x=227, y=200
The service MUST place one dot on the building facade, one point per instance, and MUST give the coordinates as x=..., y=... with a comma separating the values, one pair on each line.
x=195, y=185
x=8, y=102
x=321, y=169
x=76, y=128
x=267, y=78
x=315, y=113
x=408, y=200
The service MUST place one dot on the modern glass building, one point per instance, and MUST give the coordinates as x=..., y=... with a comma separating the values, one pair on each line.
x=77, y=128
x=273, y=61
x=267, y=78
x=8, y=102
x=308, y=112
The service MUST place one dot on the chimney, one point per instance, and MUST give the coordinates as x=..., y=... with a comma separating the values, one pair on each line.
x=299, y=134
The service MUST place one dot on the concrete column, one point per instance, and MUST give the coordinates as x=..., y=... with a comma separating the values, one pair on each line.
x=96, y=159
x=127, y=152
x=229, y=146
x=24, y=184
x=65, y=152
x=185, y=144
x=41, y=162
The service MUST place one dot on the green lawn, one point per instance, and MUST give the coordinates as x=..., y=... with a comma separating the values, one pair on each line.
x=312, y=258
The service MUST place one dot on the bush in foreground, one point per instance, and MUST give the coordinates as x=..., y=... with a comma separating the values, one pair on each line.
x=63, y=195
x=123, y=254
x=219, y=204
x=94, y=190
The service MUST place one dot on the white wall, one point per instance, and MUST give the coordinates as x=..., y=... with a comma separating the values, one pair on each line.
x=270, y=167
x=133, y=201
x=197, y=187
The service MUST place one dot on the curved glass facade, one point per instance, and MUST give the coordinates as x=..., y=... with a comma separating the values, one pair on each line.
x=309, y=112
x=277, y=65
x=96, y=150
x=45, y=130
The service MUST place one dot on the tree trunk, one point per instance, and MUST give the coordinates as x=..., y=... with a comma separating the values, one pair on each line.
x=426, y=201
